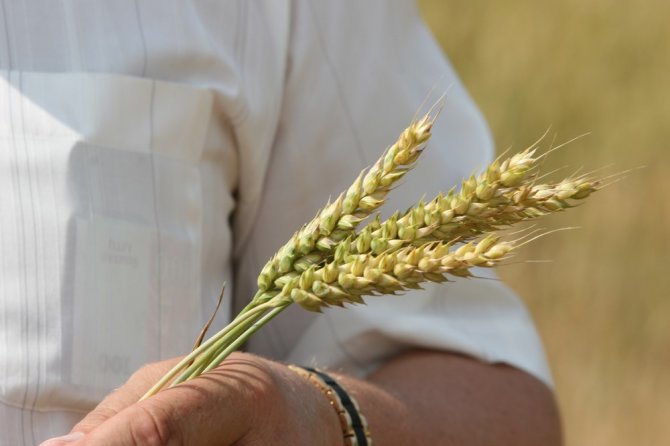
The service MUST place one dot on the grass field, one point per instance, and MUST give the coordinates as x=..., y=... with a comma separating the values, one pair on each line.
x=602, y=305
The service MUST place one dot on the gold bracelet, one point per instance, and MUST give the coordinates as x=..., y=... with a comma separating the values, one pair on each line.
x=353, y=423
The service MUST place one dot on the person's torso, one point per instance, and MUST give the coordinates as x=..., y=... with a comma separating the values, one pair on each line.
x=135, y=145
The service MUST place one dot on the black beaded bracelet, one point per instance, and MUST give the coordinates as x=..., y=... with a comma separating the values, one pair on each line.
x=353, y=423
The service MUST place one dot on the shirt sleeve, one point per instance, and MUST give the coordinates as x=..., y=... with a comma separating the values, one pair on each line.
x=355, y=77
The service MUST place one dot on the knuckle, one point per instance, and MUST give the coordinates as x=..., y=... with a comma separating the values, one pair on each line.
x=99, y=415
x=151, y=426
x=264, y=394
x=258, y=386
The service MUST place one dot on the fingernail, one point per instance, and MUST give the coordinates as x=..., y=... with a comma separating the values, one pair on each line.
x=59, y=441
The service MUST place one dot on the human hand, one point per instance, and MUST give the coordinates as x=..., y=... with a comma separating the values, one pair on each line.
x=247, y=400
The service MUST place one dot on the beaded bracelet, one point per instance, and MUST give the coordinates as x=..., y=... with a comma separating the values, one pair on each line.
x=353, y=423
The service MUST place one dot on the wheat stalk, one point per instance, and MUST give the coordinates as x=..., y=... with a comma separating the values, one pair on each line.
x=344, y=280
x=347, y=279
x=501, y=196
x=331, y=262
x=482, y=205
x=339, y=219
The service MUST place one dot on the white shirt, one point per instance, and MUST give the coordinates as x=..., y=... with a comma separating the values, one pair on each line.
x=150, y=150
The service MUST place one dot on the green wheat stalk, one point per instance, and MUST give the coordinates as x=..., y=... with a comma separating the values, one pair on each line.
x=346, y=252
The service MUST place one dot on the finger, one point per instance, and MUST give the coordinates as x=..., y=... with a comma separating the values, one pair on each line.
x=64, y=440
x=125, y=396
x=213, y=409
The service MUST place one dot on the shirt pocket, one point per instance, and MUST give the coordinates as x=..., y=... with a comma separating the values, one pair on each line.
x=102, y=185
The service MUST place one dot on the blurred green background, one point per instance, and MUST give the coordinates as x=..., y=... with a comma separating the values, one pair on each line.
x=601, y=305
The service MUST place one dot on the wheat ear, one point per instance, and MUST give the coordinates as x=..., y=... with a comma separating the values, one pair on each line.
x=337, y=220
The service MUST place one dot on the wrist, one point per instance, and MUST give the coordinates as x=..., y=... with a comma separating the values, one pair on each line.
x=353, y=425
x=291, y=408
x=323, y=422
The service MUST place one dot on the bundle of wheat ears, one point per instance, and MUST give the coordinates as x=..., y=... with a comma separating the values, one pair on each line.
x=347, y=252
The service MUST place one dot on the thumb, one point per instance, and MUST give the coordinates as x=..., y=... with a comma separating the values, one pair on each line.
x=125, y=396
x=203, y=411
